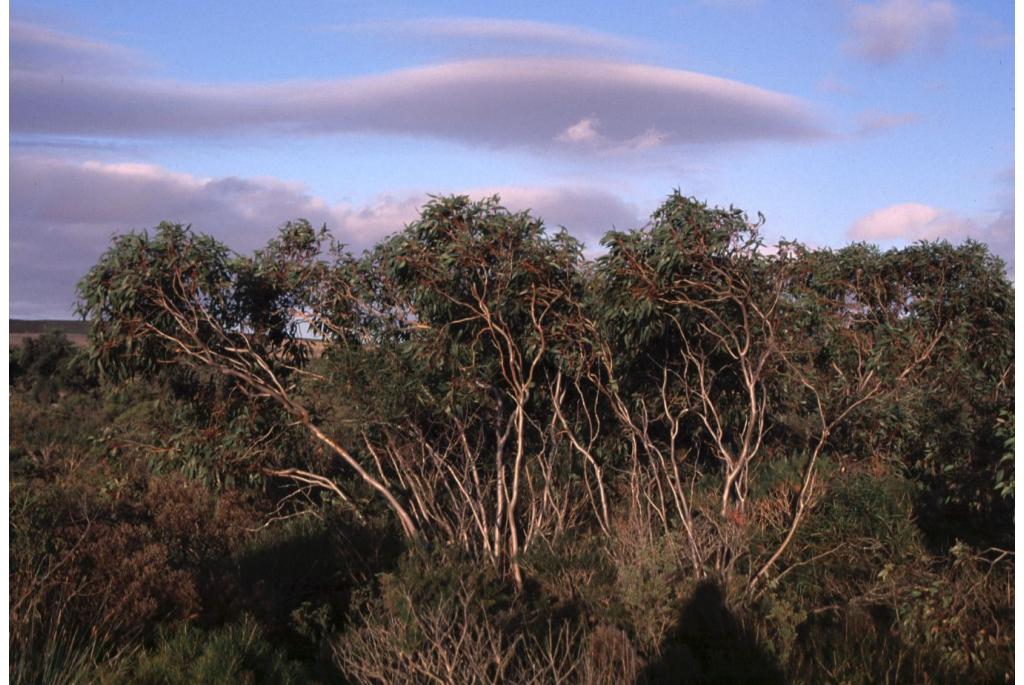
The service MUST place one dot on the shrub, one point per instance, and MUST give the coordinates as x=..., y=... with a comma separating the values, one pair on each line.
x=238, y=653
x=452, y=622
x=49, y=364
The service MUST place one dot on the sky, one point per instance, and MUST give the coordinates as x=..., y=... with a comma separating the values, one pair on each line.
x=888, y=121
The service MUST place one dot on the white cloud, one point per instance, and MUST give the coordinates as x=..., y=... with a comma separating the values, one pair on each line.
x=890, y=29
x=585, y=134
x=993, y=34
x=583, y=131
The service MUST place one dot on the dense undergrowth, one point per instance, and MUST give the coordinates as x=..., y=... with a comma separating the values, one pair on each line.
x=169, y=527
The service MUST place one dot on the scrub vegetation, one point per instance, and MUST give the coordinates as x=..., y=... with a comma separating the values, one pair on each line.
x=473, y=455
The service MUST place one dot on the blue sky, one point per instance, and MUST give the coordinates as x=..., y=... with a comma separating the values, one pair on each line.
x=889, y=120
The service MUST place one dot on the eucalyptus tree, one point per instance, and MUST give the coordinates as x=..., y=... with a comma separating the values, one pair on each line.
x=456, y=314
x=493, y=388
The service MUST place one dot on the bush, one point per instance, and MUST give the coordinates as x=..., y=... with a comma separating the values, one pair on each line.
x=440, y=619
x=115, y=563
x=238, y=653
x=58, y=656
x=48, y=365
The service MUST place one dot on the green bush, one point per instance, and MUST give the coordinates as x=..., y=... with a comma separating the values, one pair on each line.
x=49, y=364
x=58, y=656
x=238, y=653
x=438, y=618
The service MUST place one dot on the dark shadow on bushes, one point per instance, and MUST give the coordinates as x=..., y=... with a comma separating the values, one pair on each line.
x=856, y=645
x=709, y=645
x=942, y=523
x=296, y=579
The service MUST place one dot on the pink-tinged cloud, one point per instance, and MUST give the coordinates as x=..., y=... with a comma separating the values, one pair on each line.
x=496, y=32
x=585, y=211
x=887, y=30
x=872, y=122
x=40, y=49
x=63, y=214
x=912, y=221
x=513, y=102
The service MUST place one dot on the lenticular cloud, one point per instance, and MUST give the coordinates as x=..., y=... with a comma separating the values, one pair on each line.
x=513, y=102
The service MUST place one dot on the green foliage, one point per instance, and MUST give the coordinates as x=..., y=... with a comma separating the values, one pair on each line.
x=578, y=572
x=865, y=506
x=48, y=365
x=649, y=585
x=62, y=656
x=438, y=618
x=120, y=295
x=942, y=429
x=198, y=425
x=680, y=248
x=144, y=286
x=236, y=653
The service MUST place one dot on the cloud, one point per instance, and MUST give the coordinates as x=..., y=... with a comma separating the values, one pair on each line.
x=876, y=122
x=908, y=221
x=887, y=30
x=93, y=199
x=64, y=212
x=500, y=103
x=501, y=31
x=586, y=212
x=37, y=48
x=912, y=221
x=583, y=131
x=584, y=134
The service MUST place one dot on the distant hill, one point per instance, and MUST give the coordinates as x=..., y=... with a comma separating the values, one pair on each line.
x=20, y=329
x=37, y=326
x=78, y=331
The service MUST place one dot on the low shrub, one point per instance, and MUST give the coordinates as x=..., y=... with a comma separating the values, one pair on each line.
x=441, y=619
x=235, y=654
